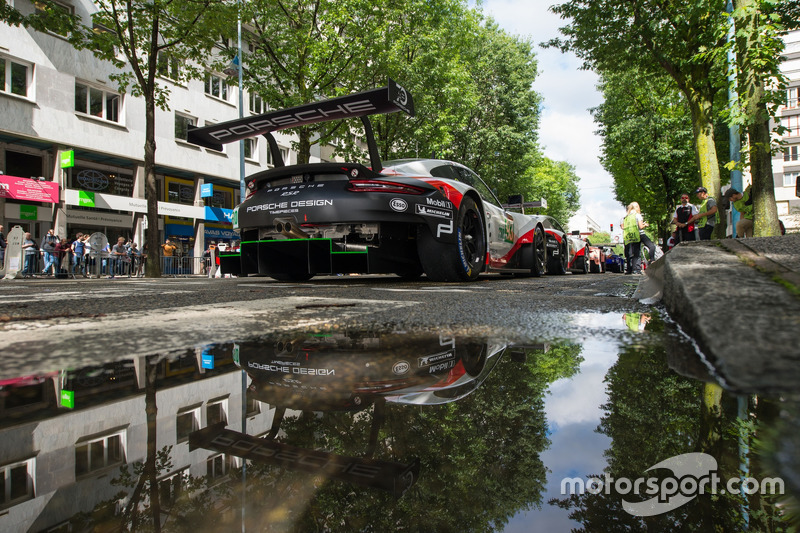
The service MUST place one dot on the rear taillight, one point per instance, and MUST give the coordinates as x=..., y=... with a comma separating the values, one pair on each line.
x=251, y=189
x=383, y=186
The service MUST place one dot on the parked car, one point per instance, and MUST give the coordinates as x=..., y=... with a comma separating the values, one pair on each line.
x=406, y=217
x=614, y=262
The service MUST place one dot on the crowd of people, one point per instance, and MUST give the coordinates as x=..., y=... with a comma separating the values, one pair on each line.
x=60, y=257
x=692, y=222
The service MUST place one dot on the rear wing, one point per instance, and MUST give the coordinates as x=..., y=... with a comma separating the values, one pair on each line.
x=387, y=99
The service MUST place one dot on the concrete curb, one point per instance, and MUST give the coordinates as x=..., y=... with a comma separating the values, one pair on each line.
x=742, y=319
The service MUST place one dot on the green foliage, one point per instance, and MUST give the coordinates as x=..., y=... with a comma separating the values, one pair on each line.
x=647, y=143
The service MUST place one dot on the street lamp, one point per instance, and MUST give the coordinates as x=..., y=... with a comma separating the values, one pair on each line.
x=236, y=68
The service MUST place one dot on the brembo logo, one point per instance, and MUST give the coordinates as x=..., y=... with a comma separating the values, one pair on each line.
x=281, y=121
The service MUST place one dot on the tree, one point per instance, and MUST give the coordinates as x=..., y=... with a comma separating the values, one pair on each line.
x=761, y=87
x=647, y=143
x=656, y=37
x=306, y=50
x=556, y=182
x=138, y=37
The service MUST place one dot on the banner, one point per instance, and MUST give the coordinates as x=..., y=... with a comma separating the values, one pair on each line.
x=29, y=189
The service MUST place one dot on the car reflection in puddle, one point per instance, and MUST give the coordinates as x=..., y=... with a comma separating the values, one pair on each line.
x=349, y=430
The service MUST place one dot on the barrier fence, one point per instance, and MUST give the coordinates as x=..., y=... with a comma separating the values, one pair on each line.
x=104, y=264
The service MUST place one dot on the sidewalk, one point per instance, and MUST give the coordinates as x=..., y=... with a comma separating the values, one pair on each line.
x=740, y=300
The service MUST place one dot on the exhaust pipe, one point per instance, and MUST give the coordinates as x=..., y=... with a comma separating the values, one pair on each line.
x=287, y=229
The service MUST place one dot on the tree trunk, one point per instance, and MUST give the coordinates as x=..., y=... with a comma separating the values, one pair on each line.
x=304, y=146
x=763, y=190
x=153, y=269
x=706, y=149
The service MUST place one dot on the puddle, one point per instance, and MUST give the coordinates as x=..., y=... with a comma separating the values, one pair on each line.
x=347, y=430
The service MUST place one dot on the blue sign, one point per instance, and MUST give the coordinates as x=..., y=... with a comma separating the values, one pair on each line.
x=207, y=190
x=218, y=214
x=207, y=361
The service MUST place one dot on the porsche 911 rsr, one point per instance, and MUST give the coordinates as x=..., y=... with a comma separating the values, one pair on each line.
x=406, y=217
x=343, y=372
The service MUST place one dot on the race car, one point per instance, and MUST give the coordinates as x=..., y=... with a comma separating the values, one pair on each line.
x=350, y=371
x=597, y=259
x=405, y=217
x=579, y=260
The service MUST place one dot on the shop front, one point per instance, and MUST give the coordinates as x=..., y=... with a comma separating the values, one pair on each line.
x=28, y=202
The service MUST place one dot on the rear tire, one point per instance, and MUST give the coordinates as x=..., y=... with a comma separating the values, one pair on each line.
x=459, y=261
x=584, y=264
x=559, y=264
x=539, y=249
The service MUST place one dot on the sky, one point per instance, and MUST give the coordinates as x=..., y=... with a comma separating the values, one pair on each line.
x=566, y=131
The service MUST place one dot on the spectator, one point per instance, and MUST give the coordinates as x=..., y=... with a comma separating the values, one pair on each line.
x=135, y=256
x=48, y=247
x=31, y=255
x=744, y=205
x=683, y=213
x=168, y=250
x=672, y=241
x=63, y=257
x=77, y=248
x=632, y=239
x=706, y=218
x=2, y=247
x=119, y=258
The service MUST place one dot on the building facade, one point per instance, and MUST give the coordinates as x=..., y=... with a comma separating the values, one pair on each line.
x=72, y=145
x=786, y=163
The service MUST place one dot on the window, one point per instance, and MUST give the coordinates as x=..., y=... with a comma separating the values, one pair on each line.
x=792, y=124
x=14, y=77
x=180, y=192
x=16, y=482
x=284, y=156
x=99, y=453
x=217, y=412
x=63, y=8
x=186, y=422
x=182, y=123
x=257, y=105
x=792, y=94
x=219, y=465
x=791, y=153
x=253, y=408
x=790, y=179
x=168, y=67
x=97, y=102
x=251, y=149
x=216, y=86
x=171, y=487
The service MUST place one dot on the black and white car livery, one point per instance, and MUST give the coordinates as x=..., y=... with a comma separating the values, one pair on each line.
x=406, y=217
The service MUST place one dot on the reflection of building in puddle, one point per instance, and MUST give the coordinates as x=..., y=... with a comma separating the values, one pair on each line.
x=62, y=458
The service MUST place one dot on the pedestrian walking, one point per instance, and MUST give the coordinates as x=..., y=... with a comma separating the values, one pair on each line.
x=119, y=258
x=706, y=218
x=681, y=216
x=63, y=251
x=48, y=248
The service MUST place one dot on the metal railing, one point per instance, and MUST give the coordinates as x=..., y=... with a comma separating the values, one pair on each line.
x=104, y=264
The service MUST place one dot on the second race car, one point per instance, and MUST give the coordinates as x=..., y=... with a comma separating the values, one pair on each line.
x=406, y=217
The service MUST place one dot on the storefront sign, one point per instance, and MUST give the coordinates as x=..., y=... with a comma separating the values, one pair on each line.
x=68, y=399
x=30, y=189
x=104, y=201
x=220, y=234
x=207, y=190
x=68, y=159
x=108, y=182
x=98, y=218
x=218, y=214
x=28, y=212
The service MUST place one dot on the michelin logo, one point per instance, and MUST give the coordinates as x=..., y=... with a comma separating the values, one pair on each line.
x=426, y=211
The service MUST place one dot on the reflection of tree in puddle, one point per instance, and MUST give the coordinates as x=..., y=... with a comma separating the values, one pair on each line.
x=479, y=456
x=470, y=417
x=654, y=414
